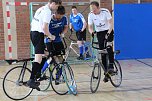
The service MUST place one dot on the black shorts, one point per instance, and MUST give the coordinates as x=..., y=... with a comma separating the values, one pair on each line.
x=81, y=36
x=37, y=39
x=55, y=48
x=101, y=38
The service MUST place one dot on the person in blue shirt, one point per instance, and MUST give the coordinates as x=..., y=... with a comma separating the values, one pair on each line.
x=58, y=27
x=78, y=24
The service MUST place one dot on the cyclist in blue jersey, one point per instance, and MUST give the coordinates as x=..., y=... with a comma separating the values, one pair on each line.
x=58, y=26
x=78, y=24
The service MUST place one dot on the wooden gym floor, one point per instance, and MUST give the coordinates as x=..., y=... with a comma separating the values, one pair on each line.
x=136, y=84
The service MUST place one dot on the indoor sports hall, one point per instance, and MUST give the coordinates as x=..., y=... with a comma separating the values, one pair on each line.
x=88, y=70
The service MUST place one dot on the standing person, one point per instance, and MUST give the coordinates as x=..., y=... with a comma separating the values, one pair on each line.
x=78, y=24
x=103, y=23
x=39, y=28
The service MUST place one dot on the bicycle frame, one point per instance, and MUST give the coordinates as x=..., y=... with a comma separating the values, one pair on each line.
x=73, y=42
x=103, y=52
x=22, y=72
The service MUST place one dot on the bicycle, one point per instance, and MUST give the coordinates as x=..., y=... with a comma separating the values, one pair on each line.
x=15, y=87
x=86, y=44
x=61, y=76
x=115, y=78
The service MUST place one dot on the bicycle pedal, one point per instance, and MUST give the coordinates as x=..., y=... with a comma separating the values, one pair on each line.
x=95, y=77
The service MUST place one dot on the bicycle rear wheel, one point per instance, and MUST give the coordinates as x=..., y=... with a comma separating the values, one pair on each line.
x=14, y=83
x=95, y=77
x=116, y=78
x=45, y=82
x=57, y=80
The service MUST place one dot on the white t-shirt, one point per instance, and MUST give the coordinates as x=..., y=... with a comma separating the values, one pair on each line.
x=43, y=14
x=100, y=20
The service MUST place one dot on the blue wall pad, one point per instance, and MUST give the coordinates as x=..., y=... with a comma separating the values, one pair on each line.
x=133, y=30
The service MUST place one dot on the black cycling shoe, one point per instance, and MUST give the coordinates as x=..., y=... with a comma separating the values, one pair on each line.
x=80, y=57
x=105, y=79
x=111, y=71
x=32, y=84
x=88, y=56
x=57, y=82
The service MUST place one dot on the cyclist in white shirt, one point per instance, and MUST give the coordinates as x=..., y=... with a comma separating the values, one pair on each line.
x=39, y=28
x=103, y=23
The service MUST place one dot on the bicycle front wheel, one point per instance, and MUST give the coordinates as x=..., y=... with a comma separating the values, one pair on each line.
x=14, y=83
x=57, y=80
x=69, y=78
x=95, y=77
x=116, y=78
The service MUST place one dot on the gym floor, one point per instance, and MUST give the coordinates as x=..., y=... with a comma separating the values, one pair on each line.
x=136, y=84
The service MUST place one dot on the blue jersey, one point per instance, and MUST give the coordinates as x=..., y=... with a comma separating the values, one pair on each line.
x=56, y=27
x=77, y=21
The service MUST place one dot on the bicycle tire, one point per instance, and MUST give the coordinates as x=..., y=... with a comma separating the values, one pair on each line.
x=117, y=75
x=71, y=85
x=60, y=88
x=45, y=84
x=95, y=77
x=10, y=81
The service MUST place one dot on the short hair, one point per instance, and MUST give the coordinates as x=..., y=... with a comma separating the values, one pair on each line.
x=95, y=3
x=61, y=10
x=56, y=1
x=74, y=7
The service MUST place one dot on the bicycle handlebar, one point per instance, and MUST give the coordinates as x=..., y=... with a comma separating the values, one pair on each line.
x=102, y=50
x=94, y=43
x=65, y=47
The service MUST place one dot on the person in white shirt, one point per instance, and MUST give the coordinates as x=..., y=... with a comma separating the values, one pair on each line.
x=103, y=23
x=39, y=28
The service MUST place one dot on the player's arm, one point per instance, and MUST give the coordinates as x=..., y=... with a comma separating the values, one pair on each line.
x=90, y=24
x=70, y=26
x=65, y=30
x=46, y=20
x=84, y=22
x=111, y=25
x=90, y=28
x=46, y=31
x=84, y=26
x=110, y=21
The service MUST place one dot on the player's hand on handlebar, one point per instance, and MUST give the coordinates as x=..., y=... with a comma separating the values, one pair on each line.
x=107, y=35
x=93, y=33
x=52, y=37
x=71, y=30
x=62, y=35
